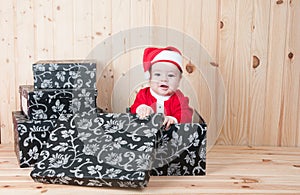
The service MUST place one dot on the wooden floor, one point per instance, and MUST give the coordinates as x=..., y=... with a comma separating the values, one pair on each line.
x=229, y=170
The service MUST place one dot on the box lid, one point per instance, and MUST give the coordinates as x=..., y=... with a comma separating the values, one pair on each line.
x=26, y=90
x=64, y=65
x=30, y=125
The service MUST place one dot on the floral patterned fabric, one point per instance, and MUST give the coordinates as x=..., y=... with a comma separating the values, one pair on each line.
x=64, y=74
x=51, y=103
x=103, y=150
x=181, y=150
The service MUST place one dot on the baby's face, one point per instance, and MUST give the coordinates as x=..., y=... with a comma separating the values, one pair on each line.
x=164, y=78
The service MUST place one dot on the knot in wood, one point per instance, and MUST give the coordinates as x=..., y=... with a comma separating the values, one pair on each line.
x=256, y=62
x=190, y=68
x=279, y=2
x=290, y=55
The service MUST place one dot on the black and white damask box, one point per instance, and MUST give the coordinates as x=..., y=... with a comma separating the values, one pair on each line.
x=31, y=135
x=181, y=150
x=64, y=74
x=114, y=150
x=51, y=103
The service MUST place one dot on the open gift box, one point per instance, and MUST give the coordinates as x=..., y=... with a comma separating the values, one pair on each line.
x=116, y=149
x=181, y=150
x=107, y=149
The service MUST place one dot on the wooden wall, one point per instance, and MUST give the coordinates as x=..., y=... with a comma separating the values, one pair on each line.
x=256, y=45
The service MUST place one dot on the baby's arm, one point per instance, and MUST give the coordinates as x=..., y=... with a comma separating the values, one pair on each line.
x=139, y=106
x=183, y=112
x=169, y=120
x=143, y=111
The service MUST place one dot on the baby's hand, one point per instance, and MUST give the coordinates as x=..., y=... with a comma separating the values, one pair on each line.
x=169, y=120
x=143, y=111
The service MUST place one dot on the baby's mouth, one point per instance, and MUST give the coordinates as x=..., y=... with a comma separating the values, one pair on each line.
x=164, y=86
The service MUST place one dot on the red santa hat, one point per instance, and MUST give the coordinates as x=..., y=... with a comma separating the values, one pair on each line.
x=153, y=55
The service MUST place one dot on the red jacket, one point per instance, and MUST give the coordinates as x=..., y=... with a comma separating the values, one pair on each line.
x=177, y=105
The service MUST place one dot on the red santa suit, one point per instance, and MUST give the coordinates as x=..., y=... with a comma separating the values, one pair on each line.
x=176, y=105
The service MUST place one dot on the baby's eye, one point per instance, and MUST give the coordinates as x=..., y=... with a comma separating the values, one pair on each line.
x=156, y=74
x=171, y=75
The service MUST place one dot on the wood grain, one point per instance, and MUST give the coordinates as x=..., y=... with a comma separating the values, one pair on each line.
x=192, y=26
x=82, y=28
x=159, y=17
x=209, y=38
x=43, y=22
x=230, y=170
x=120, y=53
x=8, y=93
x=290, y=119
x=226, y=58
x=276, y=58
x=102, y=51
x=63, y=25
x=254, y=45
x=258, y=75
x=140, y=19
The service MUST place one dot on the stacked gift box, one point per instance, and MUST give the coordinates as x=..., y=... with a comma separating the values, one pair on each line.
x=60, y=90
x=68, y=140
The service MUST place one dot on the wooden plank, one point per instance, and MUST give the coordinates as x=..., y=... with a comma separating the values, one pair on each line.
x=256, y=149
x=175, y=21
x=8, y=80
x=139, y=22
x=226, y=60
x=276, y=58
x=201, y=25
x=4, y=147
x=43, y=21
x=237, y=78
x=230, y=170
x=101, y=32
x=275, y=35
x=208, y=40
x=120, y=53
x=63, y=29
x=193, y=80
x=290, y=118
x=25, y=39
x=82, y=18
x=101, y=23
x=25, y=52
x=258, y=75
x=215, y=96
x=239, y=89
x=159, y=18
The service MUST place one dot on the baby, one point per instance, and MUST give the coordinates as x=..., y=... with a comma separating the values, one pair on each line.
x=163, y=68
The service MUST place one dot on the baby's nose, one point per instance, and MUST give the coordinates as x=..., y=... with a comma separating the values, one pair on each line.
x=164, y=77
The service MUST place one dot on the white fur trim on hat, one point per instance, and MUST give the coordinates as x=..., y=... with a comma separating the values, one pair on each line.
x=171, y=56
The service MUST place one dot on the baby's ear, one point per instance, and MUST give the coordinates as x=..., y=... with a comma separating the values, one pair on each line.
x=147, y=75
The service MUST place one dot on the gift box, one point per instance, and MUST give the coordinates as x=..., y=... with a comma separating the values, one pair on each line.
x=51, y=103
x=109, y=149
x=181, y=150
x=64, y=74
x=31, y=135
